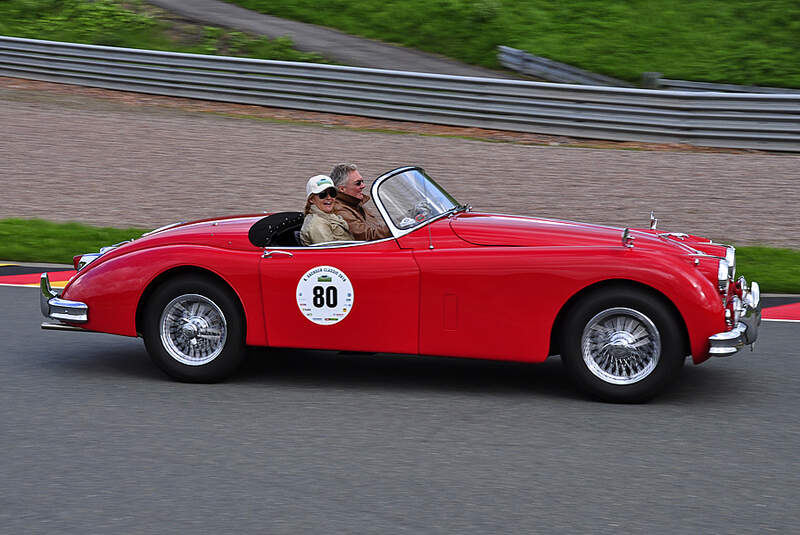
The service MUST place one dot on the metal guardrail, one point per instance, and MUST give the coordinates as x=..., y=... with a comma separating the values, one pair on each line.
x=653, y=80
x=554, y=71
x=756, y=121
x=550, y=70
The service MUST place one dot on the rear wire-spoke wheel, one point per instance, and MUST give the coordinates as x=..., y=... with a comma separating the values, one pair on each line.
x=194, y=330
x=622, y=344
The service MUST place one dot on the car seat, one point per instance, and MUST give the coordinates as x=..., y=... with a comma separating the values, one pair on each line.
x=281, y=228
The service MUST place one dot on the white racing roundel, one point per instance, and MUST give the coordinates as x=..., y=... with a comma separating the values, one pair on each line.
x=325, y=295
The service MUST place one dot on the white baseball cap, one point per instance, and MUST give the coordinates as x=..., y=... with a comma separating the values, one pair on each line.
x=318, y=184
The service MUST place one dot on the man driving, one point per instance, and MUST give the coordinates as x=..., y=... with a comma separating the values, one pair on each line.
x=349, y=204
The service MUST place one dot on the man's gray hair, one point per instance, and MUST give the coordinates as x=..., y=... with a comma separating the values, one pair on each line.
x=340, y=172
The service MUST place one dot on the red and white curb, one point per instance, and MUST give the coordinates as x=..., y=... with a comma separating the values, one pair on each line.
x=790, y=313
x=58, y=279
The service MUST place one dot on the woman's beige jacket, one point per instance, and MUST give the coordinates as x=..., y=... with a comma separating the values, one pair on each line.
x=319, y=227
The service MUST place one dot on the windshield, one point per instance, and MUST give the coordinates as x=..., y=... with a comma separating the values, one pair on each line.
x=411, y=198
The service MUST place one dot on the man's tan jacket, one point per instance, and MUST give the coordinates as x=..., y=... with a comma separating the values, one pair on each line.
x=363, y=224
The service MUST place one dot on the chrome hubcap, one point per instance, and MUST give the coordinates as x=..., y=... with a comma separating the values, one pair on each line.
x=193, y=329
x=621, y=346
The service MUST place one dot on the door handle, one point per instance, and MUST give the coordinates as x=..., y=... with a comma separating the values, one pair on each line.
x=268, y=254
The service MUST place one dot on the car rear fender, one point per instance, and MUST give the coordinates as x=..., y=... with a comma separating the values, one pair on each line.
x=116, y=289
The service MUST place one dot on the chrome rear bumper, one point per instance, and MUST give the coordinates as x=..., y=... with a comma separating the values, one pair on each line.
x=53, y=307
x=745, y=332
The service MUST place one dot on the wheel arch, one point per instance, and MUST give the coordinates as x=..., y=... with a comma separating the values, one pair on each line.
x=558, y=324
x=179, y=271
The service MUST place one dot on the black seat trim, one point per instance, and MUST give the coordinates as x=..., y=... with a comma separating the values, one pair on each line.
x=276, y=229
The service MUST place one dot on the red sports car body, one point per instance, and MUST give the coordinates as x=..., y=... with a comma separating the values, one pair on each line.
x=623, y=307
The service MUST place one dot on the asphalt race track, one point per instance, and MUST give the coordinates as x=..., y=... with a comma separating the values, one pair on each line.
x=96, y=440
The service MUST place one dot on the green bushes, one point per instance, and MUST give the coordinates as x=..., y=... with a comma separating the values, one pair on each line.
x=107, y=22
x=101, y=23
x=726, y=41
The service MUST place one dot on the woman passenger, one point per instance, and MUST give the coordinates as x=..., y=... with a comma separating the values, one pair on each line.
x=321, y=224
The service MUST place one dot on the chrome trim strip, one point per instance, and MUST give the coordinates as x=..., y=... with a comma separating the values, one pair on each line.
x=72, y=311
x=397, y=232
x=706, y=255
x=745, y=332
x=268, y=254
x=54, y=307
x=627, y=239
x=730, y=257
x=712, y=242
x=62, y=327
x=727, y=343
x=679, y=235
x=165, y=227
x=340, y=243
x=44, y=285
x=723, y=351
x=328, y=245
x=87, y=259
x=107, y=248
x=734, y=334
x=45, y=294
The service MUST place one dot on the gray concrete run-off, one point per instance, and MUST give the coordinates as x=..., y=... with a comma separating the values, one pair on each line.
x=338, y=46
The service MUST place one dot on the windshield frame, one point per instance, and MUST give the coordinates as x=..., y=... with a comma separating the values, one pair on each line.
x=396, y=231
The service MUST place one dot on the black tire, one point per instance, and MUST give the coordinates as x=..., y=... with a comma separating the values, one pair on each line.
x=616, y=367
x=203, y=336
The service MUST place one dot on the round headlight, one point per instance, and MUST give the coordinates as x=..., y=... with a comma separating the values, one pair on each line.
x=83, y=260
x=730, y=258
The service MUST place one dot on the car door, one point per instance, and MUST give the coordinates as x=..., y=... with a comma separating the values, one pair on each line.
x=477, y=301
x=356, y=297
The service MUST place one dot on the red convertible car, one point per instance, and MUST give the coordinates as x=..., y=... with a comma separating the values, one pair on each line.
x=622, y=307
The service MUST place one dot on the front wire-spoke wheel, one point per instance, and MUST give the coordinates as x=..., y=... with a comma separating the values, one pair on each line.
x=622, y=344
x=194, y=329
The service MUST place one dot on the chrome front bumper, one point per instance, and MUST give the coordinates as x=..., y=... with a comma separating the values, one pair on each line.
x=745, y=332
x=53, y=307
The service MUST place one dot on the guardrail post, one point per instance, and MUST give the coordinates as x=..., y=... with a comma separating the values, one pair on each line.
x=651, y=80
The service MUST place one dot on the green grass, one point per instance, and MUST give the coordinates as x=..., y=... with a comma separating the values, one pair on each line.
x=733, y=41
x=776, y=270
x=36, y=240
x=134, y=24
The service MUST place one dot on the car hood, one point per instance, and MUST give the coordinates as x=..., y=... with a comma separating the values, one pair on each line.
x=505, y=230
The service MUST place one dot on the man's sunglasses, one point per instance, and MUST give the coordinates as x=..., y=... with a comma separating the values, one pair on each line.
x=358, y=182
x=324, y=194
